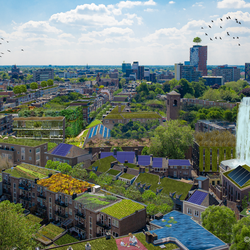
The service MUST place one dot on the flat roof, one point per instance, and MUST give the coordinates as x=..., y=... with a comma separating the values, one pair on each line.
x=22, y=142
x=48, y=118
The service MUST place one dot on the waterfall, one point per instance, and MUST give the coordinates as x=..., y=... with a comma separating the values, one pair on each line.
x=243, y=129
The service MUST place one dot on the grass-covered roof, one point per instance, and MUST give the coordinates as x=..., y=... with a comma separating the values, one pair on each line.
x=23, y=142
x=103, y=164
x=127, y=176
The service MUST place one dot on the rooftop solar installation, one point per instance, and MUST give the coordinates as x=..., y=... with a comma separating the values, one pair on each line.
x=144, y=160
x=109, y=134
x=240, y=175
x=123, y=156
x=95, y=131
x=179, y=163
x=106, y=154
x=197, y=197
x=157, y=162
x=62, y=149
x=101, y=129
x=90, y=133
x=105, y=132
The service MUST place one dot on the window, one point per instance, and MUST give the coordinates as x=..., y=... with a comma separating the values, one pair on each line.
x=196, y=213
x=175, y=167
x=17, y=152
x=47, y=157
x=38, y=157
x=90, y=222
x=189, y=210
x=23, y=150
x=33, y=195
x=186, y=167
x=38, y=188
x=70, y=211
x=50, y=200
x=115, y=223
x=14, y=200
x=183, y=167
x=30, y=158
x=37, y=150
x=14, y=185
x=30, y=150
x=45, y=147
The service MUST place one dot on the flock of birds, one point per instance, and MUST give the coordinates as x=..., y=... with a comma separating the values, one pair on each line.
x=1, y=53
x=228, y=18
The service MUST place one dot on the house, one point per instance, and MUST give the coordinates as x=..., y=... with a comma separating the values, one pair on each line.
x=179, y=169
x=6, y=124
x=197, y=203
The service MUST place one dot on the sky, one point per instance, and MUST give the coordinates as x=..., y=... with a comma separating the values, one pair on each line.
x=108, y=32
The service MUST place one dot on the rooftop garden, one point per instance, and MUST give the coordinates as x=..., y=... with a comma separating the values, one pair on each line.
x=134, y=166
x=245, y=212
x=127, y=176
x=29, y=171
x=34, y=219
x=115, y=109
x=122, y=209
x=102, y=243
x=65, y=184
x=215, y=139
x=51, y=231
x=51, y=145
x=103, y=164
x=168, y=185
x=65, y=239
x=93, y=123
x=246, y=184
x=113, y=172
x=140, y=115
x=92, y=201
x=23, y=142
x=113, y=116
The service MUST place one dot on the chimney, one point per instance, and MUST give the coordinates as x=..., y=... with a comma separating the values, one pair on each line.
x=152, y=157
x=119, y=108
x=136, y=154
x=138, y=165
x=115, y=151
x=99, y=155
x=141, y=170
x=125, y=169
x=126, y=161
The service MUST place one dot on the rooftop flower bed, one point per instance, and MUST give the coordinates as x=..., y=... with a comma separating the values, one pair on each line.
x=113, y=172
x=115, y=110
x=122, y=209
x=65, y=184
x=127, y=176
x=29, y=171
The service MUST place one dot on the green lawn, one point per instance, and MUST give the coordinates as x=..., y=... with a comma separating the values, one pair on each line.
x=122, y=209
x=127, y=176
x=168, y=185
x=103, y=244
x=146, y=115
x=113, y=172
x=93, y=123
x=65, y=239
x=103, y=164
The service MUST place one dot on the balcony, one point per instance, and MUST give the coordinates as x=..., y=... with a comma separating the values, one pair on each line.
x=100, y=224
x=24, y=197
x=6, y=182
x=60, y=214
x=80, y=226
x=61, y=203
x=41, y=195
x=41, y=206
x=24, y=187
x=79, y=214
x=6, y=191
x=98, y=235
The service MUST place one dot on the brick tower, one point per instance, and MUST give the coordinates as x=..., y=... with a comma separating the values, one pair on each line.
x=173, y=105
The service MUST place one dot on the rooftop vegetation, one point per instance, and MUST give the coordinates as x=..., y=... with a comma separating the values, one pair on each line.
x=122, y=209
x=115, y=109
x=113, y=172
x=127, y=176
x=130, y=165
x=140, y=115
x=215, y=139
x=113, y=116
x=51, y=145
x=92, y=201
x=51, y=231
x=65, y=184
x=93, y=123
x=33, y=218
x=168, y=185
x=23, y=142
x=29, y=171
x=103, y=164
x=65, y=239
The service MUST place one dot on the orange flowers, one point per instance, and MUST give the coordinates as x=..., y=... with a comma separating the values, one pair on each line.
x=65, y=184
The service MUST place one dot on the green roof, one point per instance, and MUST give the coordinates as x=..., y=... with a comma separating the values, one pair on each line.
x=28, y=171
x=113, y=116
x=93, y=123
x=115, y=109
x=127, y=176
x=113, y=172
x=33, y=218
x=103, y=164
x=133, y=115
x=23, y=142
x=122, y=209
x=168, y=185
x=246, y=184
x=95, y=201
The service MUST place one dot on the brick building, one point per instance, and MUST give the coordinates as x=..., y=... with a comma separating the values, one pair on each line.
x=229, y=73
x=6, y=126
x=173, y=105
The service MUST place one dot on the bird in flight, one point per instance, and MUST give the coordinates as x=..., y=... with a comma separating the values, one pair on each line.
x=237, y=37
x=229, y=17
x=221, y=19
x=220, y=38
x=206, y=34
x=22, y=50
x=212, y=21
x=228, y=34
x=220, y=27
x=8, y=50
x=239, y=22
x=216, y=37
x=239, y=44
x=209, y=26
x=2, y=38
x=211, y=39
x=202, y=28
x=233, y=37
x=7, y=41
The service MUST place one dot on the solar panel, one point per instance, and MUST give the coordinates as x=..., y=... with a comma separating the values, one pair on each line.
x=157, y=162
x=62, y=149
x=90, y=133
x=109, y=134
x=179, y=163
x=95, y=131
x=101, y=130
x=240, y=175
x=105, y=132
x=123, y=156
x=144, y=160
x=106, y=154
x=197, y=197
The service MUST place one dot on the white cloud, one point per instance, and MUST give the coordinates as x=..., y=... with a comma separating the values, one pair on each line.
x=66, y=35
x=198, y=4
x=184, y=9
x=171, y=2
x=233, y=4
x=150, y=10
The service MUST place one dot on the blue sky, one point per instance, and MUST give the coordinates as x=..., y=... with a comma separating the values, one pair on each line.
x=109, y=32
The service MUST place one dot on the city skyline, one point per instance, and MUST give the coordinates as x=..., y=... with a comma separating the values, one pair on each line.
x=110, y=32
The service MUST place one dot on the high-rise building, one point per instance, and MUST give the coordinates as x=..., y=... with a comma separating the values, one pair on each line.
x=198, y=58
x=43, y=75
x=135, y=65
x=187, y=72
x=125, y=66
x=247, y=71
x=229, y=73
x=140, y=74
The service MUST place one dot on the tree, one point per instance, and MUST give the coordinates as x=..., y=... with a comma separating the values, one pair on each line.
x=16, y=231
x=171, y=139
x=17, y=90
x=148, y=196
x=34, y=85
x=23, y=88
x=43, y=84
x=219, y=221
x=92, y=175
x=241, y=235
x=50, y=82
x=145, y=150
x=197, y=40
x=122, y=82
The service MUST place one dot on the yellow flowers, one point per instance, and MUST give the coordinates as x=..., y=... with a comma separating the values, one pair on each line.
x=65, y=184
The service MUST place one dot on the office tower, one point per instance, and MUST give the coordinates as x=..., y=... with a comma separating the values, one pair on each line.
x=247, y=71
x=187, y=72
x=229, y=73
x=43, y=75
x=125, y=66
x=135, y=65
x=198, y=58
x=140, y=74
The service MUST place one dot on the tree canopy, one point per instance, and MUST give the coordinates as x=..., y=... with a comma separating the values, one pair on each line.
x=34, y=85
x=197, y=40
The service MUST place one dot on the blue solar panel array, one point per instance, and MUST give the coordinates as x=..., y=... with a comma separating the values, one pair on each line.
x=95, y=130
x=105, y=132
x=198, y=197
x=157, y=162
x=144, y=160
x=101, y=129
x=179, y=163
x=90, y=133
x=62, y=149
x=123, y=156
x=240, y=175
x=109, y=134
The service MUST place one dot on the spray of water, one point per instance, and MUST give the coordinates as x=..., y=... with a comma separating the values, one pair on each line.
x=243, y=132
